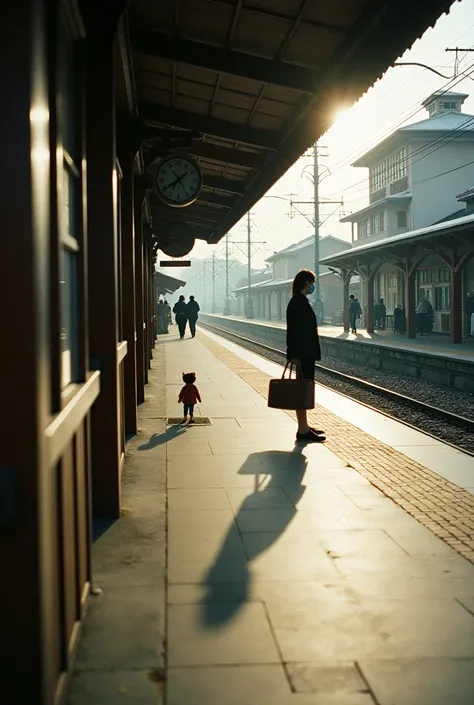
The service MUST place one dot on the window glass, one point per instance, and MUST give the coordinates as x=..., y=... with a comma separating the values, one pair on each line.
x=381, y=221
x=69, y=328
x=401, y=219
x=442, y=298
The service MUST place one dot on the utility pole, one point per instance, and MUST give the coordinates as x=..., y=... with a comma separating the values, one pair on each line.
x=316, y=228
x=204, y=285
x=316, y=223
x=249, y=307
x=249, y=312
x=227, y=304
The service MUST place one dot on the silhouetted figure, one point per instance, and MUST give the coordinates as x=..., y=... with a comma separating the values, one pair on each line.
x=192, y=309
x=180, y=311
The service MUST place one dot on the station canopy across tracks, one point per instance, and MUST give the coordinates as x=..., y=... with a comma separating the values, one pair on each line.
x=246, y=86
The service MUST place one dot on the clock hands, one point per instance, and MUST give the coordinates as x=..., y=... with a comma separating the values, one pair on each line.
x=176, y=181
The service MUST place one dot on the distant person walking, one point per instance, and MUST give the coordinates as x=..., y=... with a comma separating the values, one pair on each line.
x=180, y=311
x=163, y=316
x=354, y=312
x=302, y=340
x=192, y=309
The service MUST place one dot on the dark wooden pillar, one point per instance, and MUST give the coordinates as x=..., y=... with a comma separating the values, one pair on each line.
x=146, y=302
x=102, y=258
x=455, y=317
x=346, y=282
x=370, y=302
x=28, y=500
x=410, y=301
x=128, y=290
x=139, y=195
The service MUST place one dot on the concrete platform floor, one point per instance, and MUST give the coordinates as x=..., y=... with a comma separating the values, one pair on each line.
x=282, y=575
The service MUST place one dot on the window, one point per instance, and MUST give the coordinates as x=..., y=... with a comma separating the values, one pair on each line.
x=69, y=195
x=442, y=298
x=426, y=294
x=381, y=221
x=373, y=225
x=432, y=108
x=425, y=276
x=391, y=169
x=443, y=274
x=401, y=219
x=362, y=229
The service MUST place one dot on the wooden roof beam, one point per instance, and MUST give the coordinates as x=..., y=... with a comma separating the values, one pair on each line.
x=152, y=113
x=218, y=183
x=226, y=61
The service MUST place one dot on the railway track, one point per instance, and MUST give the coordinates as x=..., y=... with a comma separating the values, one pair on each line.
x=454, y=429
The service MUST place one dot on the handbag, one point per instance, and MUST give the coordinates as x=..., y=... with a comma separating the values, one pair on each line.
x=291, y=393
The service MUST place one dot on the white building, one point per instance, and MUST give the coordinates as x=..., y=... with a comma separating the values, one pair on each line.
x=416, y=173
x=416, y=179
x=272, y=295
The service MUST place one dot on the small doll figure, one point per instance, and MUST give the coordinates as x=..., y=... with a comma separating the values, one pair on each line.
x=189, y=395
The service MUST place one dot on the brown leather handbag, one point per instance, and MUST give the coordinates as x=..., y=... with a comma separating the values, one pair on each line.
x=292, y=392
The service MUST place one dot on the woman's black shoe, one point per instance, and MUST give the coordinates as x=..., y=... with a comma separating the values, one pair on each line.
x=310, y=437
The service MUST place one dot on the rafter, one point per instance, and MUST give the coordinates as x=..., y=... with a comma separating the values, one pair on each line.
x=284, y=47
x=217, y=183
x=226, y=61
x=236, y=157
x=153, y=113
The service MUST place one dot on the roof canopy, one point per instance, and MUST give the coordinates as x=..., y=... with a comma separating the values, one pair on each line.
x=166, y=284
x=449, y=235
x=246, y=86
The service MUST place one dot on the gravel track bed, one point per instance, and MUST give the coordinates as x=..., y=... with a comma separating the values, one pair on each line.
x=457, y=402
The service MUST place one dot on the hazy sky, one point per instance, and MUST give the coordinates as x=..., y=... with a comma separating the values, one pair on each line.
x=393, y=101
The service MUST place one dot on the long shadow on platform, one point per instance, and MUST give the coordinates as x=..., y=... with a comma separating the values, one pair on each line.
x=158, y=439
x=287, y=468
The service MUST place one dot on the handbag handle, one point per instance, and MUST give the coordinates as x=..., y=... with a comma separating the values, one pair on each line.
x=298, y=370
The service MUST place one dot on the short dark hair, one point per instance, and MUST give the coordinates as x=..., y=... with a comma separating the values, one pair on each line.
x=303, y=277
x=191, y=298
x=351, y=296
x=189, y=377
x=181, y=298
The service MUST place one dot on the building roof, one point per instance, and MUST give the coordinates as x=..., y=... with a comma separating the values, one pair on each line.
x=370, y=251
x=431, y=127
x=395, y=199
x=239, y=86
x=296, y=246
x=166, y=284
x=272, y=283
x=466, y=195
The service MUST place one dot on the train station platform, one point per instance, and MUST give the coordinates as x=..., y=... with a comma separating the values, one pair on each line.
x=247, y=570
x=434, y=344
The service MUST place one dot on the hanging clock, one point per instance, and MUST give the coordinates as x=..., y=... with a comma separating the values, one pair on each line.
x=177, y=181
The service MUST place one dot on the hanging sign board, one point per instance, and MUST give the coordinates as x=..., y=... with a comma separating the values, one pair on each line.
x=175, y=263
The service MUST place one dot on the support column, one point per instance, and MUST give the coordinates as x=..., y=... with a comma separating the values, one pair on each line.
x=370, y=303
x=102, y=260
x=410, y=299
x=346, y=281
x=139, y=195
x=456, y=314
x=128, y=291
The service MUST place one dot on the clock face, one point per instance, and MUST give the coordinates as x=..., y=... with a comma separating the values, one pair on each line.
x=178, y=181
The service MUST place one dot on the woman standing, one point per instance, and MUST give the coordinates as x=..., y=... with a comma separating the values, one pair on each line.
x=302, y=341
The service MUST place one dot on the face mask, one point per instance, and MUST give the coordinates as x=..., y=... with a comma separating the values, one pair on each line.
x=311, y=289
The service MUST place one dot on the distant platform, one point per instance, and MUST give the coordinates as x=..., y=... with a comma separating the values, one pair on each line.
x=434, y=344
x=433, y=358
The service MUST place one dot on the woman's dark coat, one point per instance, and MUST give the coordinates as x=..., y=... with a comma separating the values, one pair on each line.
x=302, y=339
